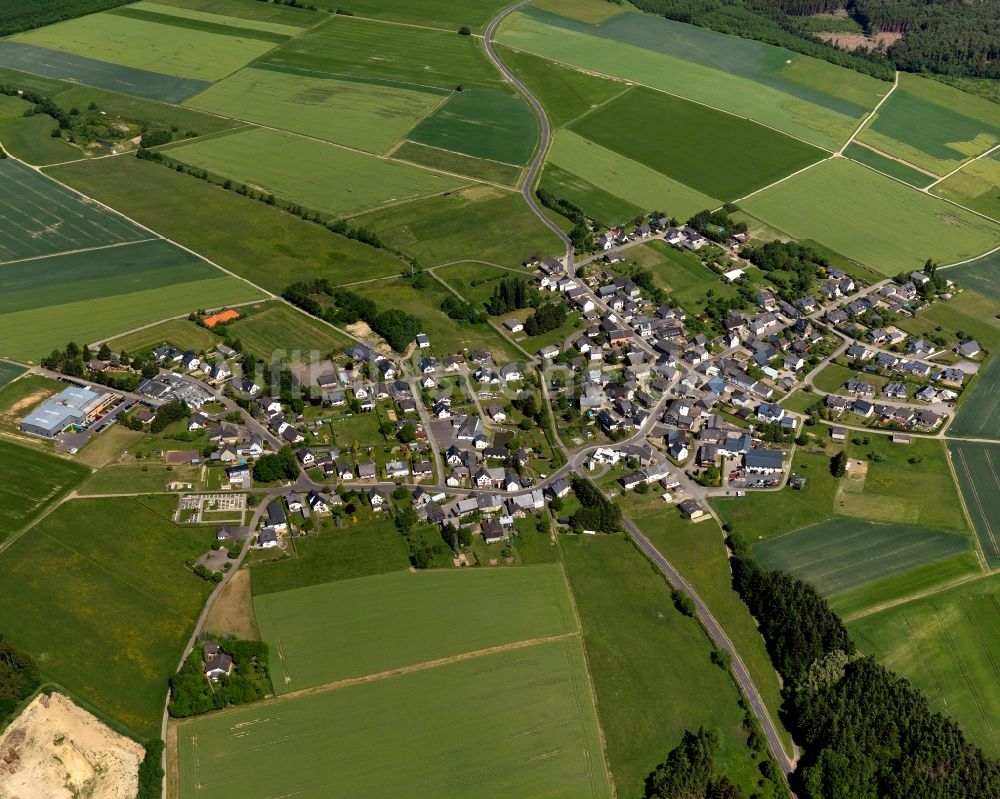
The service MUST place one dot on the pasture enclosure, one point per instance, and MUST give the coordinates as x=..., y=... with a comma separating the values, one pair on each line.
x=278, y=328
x=159, y=46
x=42, y=218
x=933, y=125
x=319, y=176
x=807, y=98
x=841, y=554
x=482, y=124
x=30, y=479
x=495, y=225
x=351, y=628
x=632, y=181
x=877, y=222
x=389, y=54
x=367, y=116
x=532, y=705
x=946, y=645
x=647, y=662
x=699, y=147
x=91, y=295
x=87, y=557
x=94, y=72
x=977, y=467
x=273, y=249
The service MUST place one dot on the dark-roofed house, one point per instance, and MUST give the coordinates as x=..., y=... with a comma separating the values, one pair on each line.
x=763, y=461
x=276, y=517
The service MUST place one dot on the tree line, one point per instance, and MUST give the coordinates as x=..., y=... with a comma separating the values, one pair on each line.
x=690, y=771
x=580, y=235
x=866, y=732
x=24, y=15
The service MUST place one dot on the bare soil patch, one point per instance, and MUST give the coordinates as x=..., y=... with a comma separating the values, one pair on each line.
x=56, y=750
x=851, y=41
x=232, y=609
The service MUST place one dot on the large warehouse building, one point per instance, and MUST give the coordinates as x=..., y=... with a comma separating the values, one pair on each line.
x=72, y=406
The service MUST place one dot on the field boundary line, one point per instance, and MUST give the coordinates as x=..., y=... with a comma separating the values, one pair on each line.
x=962, y=166
x=895, y=158
x=81, y=250
x=397, y=22
x=169, y=319
x=871, y=114
x=627, y=87
x=347, y=682
x=406, y=140
x=937, y=589
x=782, y=180
x=672, y=94
x=965, y=508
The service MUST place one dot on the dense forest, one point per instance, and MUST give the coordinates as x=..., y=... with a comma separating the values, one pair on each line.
x=947, y=37
x=866, y=732
x=23, y=15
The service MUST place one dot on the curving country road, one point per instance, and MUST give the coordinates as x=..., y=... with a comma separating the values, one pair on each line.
x=714, y=629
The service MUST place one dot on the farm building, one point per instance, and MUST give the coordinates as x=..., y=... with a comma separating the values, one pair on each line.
x=74, y=405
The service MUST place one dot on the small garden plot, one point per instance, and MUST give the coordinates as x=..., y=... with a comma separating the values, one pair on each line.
x=318, y=176
x=352, y=628
x=482, y=124
x=366, y=116
x=42, y=218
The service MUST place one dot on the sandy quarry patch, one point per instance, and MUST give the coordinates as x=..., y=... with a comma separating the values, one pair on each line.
x=56, y=750
x=362, y=331
x=852, y=41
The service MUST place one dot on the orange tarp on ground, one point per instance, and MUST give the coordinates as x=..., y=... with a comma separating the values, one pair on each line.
x=225, y=316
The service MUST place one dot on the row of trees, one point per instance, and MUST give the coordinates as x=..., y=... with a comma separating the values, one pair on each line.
x=23, y=15
x=867, y=733
x=192, y=693
x=580, y=235
x=689, y=771
x=510, y=294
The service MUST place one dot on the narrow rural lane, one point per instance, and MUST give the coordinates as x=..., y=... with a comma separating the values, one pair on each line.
x=544, y=131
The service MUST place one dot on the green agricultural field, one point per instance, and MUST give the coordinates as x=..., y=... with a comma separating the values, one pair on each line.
x=85, y=558
x=29, y=138
x=240, y=9
x=600, y=205
x=888, y=166
x=49, y=63
x=842, y=554
x=564, y=93
x=361, y=115
x=542, y=729
x=349, y=628
x=946, y=645
x=448, y=161
x=389, y=54
x=181, y=333
x=978, y=469
x=593, y=12
x=701, y=147
x=493, y=225
x=933, y=125
x=143, y=44
x=426, y=13
x=648, y=664
x=279, y=328
x=447, y=335
x=620, y=176
x=807, y=98
x=878, y=222
x=976, y=186
x=219, y=16
x=319, y=176
x=29, y=481
x=273, y=249
x=980, y=274
x=765, y=514
x=977, y=417
x=371, y=547
x=42, y=218
x=906, y=484
x=9, y=371
x=482, y=124
x=92, y=295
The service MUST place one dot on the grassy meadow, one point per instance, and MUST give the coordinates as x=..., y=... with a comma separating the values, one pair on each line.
x=349, y=628
x=366, y=116
x=945, y=644
x=273, y=248
x=276, y=327
x=319, y=176
x=531, y=706
x=92, y=295
x=43, y=218
x=181, y=333
x=878, y=222
x=86, y=558
x=703, y=148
